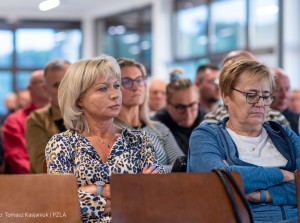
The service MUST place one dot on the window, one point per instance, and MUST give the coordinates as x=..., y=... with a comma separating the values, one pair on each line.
x=228, y=29
x=206, y=30
x=127, y=35
x=28, y=45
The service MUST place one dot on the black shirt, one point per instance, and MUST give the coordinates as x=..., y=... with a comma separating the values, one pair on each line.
x=181, y=134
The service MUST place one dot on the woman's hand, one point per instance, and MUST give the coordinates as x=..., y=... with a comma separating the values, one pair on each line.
x=288, y=176
x=107, y=207
x=150, y=169
x=89, y=189
x=106, y=191
x=93, y=190
x=255, y=197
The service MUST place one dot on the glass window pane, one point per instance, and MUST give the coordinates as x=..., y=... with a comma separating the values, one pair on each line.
x=228, y=25
x=192, y=32
x=270, y=59
x=22, y=79
x=189, y=69
x=6, y=80
x=264, y=23
x=6, y=48
x=35, y=47
x=127, y=35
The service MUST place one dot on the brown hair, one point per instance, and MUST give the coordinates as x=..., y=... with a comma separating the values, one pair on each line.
x=201, y=71
x=177, y=83
x=232, y=72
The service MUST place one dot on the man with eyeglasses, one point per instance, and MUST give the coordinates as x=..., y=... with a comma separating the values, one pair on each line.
x=208, y=85
x=282, y=96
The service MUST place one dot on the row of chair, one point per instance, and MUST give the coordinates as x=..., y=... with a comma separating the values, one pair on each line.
x=175, y=197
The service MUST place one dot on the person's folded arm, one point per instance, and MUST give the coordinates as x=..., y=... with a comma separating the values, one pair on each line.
x=59, y=162
x=207, y=151
x=284, y=193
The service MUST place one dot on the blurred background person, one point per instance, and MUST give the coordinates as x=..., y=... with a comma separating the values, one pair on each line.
x=43, y=123
x=23, y=98
x=182, y=113
x=207, y=81
x=15, y=153
x=134, y=113
x=294, y=103
x=221, y=112
x=11, y=106
x=282, y=95
x=157, y=95
x=235, y=54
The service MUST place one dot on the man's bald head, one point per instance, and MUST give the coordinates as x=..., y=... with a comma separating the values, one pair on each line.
x=283, y=90
x=238, y=54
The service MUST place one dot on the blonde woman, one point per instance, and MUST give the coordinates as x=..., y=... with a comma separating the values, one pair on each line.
x=93, y=148
x=134, y=113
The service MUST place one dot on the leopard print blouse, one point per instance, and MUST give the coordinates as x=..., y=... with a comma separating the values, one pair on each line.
x=70, y=152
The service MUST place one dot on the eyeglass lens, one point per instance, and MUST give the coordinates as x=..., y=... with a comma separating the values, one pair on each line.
x=127, y=82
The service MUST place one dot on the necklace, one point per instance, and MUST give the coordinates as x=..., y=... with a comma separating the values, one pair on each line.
x=263, y=136
x=102, y=142
x=112, y=137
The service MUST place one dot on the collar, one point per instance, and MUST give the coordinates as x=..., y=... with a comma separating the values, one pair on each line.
x=55, y=112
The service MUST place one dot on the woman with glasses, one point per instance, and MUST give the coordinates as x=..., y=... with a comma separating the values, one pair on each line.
x=264, y=153
x=93, y=148
x=135, y=115
x=182, y=113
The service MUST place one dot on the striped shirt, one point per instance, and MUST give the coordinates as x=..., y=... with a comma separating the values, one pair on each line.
x=221, y=113
x=164, y=143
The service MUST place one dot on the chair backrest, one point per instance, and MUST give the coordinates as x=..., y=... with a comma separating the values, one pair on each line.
x=175, y=197
x=297, y=183
x=44, y=166
x=39, y=198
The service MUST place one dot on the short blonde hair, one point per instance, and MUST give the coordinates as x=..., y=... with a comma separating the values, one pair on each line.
x=233, y=70
x=80, y=76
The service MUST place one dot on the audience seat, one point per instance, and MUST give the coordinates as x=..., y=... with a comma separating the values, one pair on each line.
x=297, y=183
x=175, y=197
x=39, y=198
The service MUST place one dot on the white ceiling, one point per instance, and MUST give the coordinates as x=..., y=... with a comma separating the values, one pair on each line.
x=72, y=9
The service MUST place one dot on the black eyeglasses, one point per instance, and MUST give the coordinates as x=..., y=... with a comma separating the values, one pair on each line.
x=127, y=82
x=253, y=98
x=182, y=108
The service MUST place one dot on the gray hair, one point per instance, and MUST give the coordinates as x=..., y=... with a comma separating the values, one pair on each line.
x=55, y=64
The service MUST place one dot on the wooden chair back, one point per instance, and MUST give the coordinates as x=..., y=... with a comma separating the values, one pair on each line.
x=297, y=184
x=175, y=197
x=44, y=166
x=39, y=198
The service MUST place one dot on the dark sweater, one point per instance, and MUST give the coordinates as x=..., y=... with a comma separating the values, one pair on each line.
x=181, y=134
x=293, y=119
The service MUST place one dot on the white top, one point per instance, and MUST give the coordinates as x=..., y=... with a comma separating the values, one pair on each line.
x=259, y=150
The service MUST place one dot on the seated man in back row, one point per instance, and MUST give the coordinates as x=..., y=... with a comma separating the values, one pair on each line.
x=221, y=113
x=43, y=123
x=282, y=95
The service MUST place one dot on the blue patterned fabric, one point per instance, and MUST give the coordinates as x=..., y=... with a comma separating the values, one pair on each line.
x=70, y=152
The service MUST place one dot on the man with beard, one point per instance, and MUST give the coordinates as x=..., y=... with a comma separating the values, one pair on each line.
x=208, y=85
